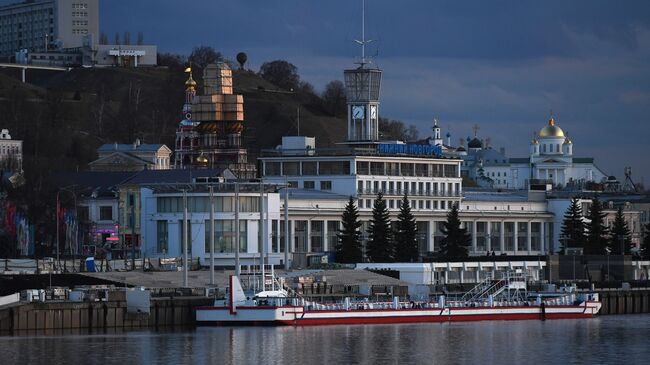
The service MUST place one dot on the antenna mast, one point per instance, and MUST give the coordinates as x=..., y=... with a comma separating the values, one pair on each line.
x=363, y=40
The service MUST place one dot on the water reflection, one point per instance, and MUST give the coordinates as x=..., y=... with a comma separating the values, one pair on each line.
x=599, y=340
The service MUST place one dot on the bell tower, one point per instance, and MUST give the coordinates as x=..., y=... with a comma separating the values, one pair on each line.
x=362, y=88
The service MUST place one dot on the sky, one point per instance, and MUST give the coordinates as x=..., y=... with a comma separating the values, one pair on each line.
x=501, y=65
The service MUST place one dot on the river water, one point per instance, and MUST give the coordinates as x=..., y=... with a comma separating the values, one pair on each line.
x=602, y=340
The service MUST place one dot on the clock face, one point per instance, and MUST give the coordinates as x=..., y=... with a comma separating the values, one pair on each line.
x=373, y=112
x=358, y=112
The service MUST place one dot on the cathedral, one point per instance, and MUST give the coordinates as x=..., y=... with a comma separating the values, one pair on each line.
x=551, y=158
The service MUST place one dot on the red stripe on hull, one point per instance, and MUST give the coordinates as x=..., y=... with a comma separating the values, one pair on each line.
x=395, y=320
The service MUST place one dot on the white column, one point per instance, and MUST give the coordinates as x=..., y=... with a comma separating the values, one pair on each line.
x=516, y=236
x=529, y=240
x=292, y=237
x=431, y=244
x=474, y=236
x=502, y=237
x=542, y=237
x=309, y=236
x=488, y=232
x=325, y=237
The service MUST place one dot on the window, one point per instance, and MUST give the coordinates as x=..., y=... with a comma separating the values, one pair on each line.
x=326, y=185
x=363, y=168
x=334, y=168
x=162, y=237
x=391, y=204
x=106, y=213
x=291, y=168
x=308, y=185
x=332, y=231
x=293, y=184
x=377, y=168
x=224, y=237
x=309, y=168
x=300, y=236
x=317, y=236
x=272, y=169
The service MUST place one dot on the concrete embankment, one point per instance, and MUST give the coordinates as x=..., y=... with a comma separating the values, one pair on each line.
x=620, y=301
x=164, y=312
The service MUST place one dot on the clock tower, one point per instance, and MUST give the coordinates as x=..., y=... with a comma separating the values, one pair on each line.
x=362, y=89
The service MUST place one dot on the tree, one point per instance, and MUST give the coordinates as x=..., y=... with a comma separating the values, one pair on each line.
x=596, y=243
x=204, y=55
x=117, y=38
x=573, y=228
x=103, y=38
x=645, y=245
x=348, y=247
x=392, y=129
x=280, y=73
x=456, y=240
x=334, y=100
x=126, y=38
x=380, y=244
x=619, y=240
x=140, y=38
x=406, y=245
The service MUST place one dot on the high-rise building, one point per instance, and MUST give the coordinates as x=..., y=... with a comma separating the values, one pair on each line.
x=42, y=25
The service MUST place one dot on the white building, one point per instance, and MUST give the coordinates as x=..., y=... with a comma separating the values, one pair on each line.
x=132, y=157
x=41, y=25
x=11, y=152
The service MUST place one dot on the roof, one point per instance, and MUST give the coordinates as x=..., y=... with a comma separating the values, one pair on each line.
x=100, y=182
x=171, y=176
x=121, y=147
x=312, y=194
x=519, y=160
x=496, y=196
x=129, y=156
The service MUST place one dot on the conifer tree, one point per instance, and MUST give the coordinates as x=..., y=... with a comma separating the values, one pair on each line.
x=597, y=241
x=456, y=240
x=645, y=245
x=573, y=228
x=380, y=244
x=348, y=247
x=619, y=239
x=406, y=246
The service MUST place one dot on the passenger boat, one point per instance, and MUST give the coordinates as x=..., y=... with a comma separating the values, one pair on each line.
x=502, y=299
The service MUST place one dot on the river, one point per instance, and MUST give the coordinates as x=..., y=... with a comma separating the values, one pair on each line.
x=602, y=340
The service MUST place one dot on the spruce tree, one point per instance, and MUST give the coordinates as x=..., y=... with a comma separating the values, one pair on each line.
x=406, y=245
x=348, y=247
x=619, y=239
x=456, y=240
x=573, y=228
x=597, y=241
x=645, y=245
x=380, y=245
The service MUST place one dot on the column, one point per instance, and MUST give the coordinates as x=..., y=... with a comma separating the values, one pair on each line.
x=502, y=238
x=542, y=238
x=325, y=236
x=474, y=236
x=292, y=237
x=488, y=232
x=516, y=236
x=529, y=240
x=309, y=236
x=431, y=244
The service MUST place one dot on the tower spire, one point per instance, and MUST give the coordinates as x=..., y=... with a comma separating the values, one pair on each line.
x=364, y=61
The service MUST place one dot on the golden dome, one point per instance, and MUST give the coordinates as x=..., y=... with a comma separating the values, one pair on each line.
x=551, y=130
x=190, y=82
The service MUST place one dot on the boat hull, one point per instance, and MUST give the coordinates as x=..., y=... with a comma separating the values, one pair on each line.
x=297, y=316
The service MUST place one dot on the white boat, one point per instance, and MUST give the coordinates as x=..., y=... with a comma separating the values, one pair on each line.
x=503, y=299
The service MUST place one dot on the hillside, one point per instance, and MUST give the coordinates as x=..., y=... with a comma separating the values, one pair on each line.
x=64, y=117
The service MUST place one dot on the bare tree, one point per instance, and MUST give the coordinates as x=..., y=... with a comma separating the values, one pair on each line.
x=117, y=38
x=103, y=38
x=127, y=38
x=140, y=38
x=334, y=98
x=204, y=55
x=281, y=73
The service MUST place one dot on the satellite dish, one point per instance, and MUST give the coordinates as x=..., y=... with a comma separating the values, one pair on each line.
x=241, y=58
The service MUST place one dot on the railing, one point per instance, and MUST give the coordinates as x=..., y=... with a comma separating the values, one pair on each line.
x=401, y=192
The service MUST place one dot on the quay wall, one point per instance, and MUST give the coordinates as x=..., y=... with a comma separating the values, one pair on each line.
x=621, y=301
x=164, y=312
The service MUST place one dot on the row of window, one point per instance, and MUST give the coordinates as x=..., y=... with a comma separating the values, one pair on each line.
x=418, y=204
x=224, y=236
x=306, y=168
x=9, y=149
x=80, y=6
x=407, y=169
x=201, y=204
x=79, y=23
x=80, y=31
x=79, y=14
x=410, y=188
x=308, y=184
x=32, y=24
